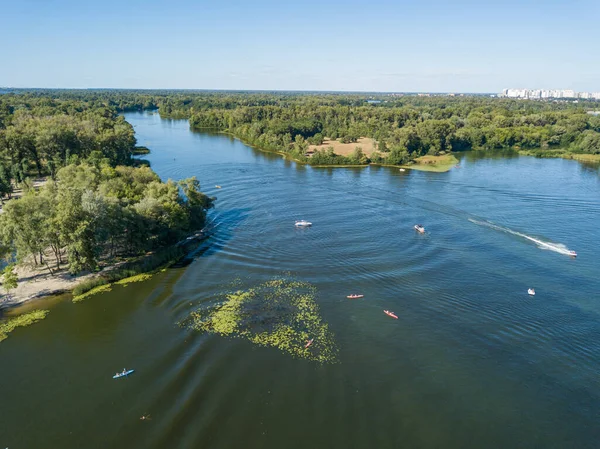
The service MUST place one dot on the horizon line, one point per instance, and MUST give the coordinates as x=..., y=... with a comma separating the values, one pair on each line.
x=247, y=90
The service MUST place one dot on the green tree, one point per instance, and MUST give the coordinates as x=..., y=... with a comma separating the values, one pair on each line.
x=9, y=279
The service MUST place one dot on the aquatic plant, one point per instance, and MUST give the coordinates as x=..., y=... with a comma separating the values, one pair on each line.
x=21, y=321
x=95, y=290
x=88, y=285
x=105, y=287
x=137, y=278
x=130, y=270
x=281, y=313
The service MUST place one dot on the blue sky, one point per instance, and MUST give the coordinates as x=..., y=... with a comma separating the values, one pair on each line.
x=377, y=45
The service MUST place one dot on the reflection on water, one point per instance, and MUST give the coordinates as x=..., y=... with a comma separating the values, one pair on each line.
x=474, y=156
x=472, y=360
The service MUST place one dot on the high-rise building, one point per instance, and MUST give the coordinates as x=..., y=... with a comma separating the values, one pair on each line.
x=536, y=94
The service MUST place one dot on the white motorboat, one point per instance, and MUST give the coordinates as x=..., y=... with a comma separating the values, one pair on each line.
x=531, y=292
x=303, y=223
x=420, y=228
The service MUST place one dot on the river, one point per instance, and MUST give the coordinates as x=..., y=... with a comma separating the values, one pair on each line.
x=472, y=361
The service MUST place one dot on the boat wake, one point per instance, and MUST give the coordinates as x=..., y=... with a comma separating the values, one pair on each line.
x=556, y=247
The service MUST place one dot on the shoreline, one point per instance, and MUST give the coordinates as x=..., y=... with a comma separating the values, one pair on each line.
x=36, y=283
x=437, y=164
x=433, y=167
x=579, y=157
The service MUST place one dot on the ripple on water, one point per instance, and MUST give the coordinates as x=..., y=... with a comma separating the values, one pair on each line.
x=470, y=355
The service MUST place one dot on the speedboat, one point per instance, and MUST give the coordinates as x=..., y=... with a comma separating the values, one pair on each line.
x=392, y=314
x=354, y=296
x=218, y=187
x=420, y=228
x=531, y=292
x=402, y=169
x=572, y=254
x=303, y=223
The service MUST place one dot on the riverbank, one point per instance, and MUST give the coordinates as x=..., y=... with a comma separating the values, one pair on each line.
x=594, y=158
x=37, y=282
x=581, y=157
x=438, y=164
x=562, y=154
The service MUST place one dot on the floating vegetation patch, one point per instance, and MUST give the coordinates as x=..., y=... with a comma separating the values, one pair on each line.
x=94, y=291
x=19, y=321
x=281, y=313
x=137, y=278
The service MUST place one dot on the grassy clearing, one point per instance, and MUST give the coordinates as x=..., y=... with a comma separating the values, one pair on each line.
x=367, y=144
x=20, y=321
x=433, y=163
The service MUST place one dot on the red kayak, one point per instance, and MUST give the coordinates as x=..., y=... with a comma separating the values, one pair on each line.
x=309, y=343
x=354, y=296
x=392, y=314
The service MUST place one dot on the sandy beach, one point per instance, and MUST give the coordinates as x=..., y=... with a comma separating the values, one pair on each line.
x=37, y=282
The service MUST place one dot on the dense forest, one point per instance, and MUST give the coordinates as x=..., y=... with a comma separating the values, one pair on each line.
x=92, y=200
x=404, y=127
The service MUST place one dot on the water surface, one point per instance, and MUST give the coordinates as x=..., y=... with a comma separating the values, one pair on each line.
x=472, y=361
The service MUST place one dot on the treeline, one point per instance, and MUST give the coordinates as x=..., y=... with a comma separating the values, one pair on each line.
x=39, y=135
x=95, y=212
x=94, y=203
x=409, y=128
x=404, y=127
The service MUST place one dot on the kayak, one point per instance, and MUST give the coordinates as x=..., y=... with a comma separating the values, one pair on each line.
x=309, y=343
x=392, y=314
x=124, y=374
x=354, y=296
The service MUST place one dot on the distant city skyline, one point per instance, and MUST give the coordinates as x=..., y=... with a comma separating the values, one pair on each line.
x=539, y=94
x=357, y=45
